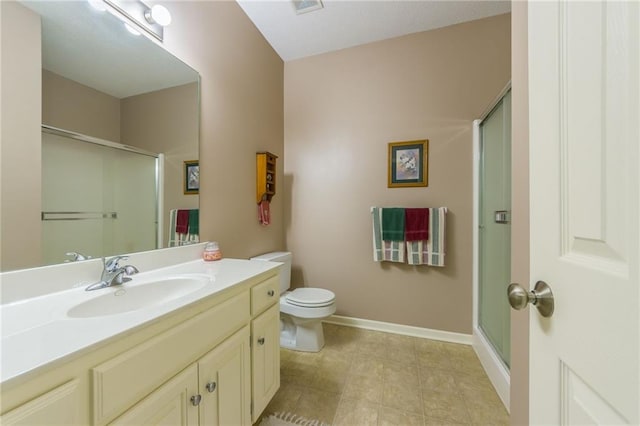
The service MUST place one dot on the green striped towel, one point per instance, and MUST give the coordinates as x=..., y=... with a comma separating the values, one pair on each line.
x=392, y=224
x=194, y=221
x=389, y=251
x=176, y=239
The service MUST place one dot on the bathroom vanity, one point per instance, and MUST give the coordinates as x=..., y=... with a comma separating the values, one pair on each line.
x=204, y=352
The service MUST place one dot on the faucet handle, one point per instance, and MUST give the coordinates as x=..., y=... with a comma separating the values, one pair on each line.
x=75, y=256
x=112, y=264
x=130, y=269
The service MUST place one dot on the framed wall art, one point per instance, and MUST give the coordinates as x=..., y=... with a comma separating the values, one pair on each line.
x=408, y=164
x=191, y=177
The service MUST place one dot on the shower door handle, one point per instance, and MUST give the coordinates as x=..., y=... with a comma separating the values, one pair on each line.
x=502, y=216
x=541, y=297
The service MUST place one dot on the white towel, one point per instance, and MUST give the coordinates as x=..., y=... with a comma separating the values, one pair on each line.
x=389, y=251
x=432, y=251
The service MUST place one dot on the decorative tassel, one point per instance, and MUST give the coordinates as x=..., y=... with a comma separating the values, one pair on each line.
x=264, y=216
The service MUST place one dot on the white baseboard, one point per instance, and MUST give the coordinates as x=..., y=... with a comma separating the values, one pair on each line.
x=407, y=330
x=493, y=366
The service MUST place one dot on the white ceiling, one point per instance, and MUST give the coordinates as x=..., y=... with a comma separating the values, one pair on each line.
x=346, y=23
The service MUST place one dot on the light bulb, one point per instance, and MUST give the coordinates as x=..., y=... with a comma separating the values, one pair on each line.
x=158, y=14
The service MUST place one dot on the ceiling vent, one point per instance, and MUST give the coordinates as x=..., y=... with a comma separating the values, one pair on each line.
x=304, y=6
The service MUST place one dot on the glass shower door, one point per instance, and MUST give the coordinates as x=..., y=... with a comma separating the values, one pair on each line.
x=96, y=200
x=495, y=228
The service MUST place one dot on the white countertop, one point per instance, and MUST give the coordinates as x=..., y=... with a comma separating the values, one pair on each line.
x=37, y=332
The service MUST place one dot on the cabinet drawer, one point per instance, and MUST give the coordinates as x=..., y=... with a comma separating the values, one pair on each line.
x=127, y=378
x=265, y=294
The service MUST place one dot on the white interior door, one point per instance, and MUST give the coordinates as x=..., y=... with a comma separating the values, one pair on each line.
x=584, y=89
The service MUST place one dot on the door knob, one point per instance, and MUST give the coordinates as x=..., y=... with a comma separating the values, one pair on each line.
x=211, y=386
x=541, y=297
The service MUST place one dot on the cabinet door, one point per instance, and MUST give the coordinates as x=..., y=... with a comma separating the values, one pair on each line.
x=170, y=404
x=265, y=358
x=225, y=382
x=59, y=406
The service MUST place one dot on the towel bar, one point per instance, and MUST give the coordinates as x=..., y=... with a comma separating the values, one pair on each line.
x=78, y=215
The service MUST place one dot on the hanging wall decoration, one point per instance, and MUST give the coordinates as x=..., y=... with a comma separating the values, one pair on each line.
x=191, y=177
x=408, y=164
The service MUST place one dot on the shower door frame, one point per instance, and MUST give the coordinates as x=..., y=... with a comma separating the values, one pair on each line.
x=159, y=177
x=492, y=363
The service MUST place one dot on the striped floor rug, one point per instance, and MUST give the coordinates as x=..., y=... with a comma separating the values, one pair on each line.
x=288, y=419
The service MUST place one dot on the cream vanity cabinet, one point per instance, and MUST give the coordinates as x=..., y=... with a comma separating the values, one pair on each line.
x=213, y=391
x=221, y=386
x=214, y=363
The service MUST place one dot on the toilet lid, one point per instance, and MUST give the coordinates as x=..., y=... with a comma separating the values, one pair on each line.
x=311, y=297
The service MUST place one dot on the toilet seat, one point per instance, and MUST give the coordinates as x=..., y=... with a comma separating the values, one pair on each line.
x=310, y=297
x=304, y=313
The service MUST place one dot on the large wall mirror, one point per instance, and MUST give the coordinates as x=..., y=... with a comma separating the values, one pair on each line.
x=120, y=121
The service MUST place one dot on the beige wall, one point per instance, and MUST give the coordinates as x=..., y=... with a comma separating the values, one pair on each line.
x=166, y=121
x=520, y=212
x=241, y=114
x=341, y=111
x=20, y=180
x=69, y=105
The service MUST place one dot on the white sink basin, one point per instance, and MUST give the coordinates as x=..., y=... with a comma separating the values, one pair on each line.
x=126, y=298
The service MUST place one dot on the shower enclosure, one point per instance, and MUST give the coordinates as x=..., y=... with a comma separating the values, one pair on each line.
x=492, y=326
x=99, y=198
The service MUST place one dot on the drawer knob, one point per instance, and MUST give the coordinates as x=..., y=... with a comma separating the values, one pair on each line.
x=195, y=400
x=211, y=386
x=261, y=341
x=271, y=293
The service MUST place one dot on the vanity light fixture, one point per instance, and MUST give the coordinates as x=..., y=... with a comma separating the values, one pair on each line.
x=139, y=15
x=304, y=6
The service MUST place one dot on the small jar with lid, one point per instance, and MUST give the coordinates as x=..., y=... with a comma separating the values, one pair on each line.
x=212, y=252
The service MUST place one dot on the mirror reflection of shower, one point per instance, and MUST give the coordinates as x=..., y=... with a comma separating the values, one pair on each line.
x=99, y=198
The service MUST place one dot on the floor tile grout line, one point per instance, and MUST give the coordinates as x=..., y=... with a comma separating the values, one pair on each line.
x=335, y=415
x=417, y=362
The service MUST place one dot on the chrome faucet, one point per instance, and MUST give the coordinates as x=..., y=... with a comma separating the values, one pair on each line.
x=113, y=274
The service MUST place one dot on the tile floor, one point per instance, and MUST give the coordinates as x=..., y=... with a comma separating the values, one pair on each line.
x=364, y=377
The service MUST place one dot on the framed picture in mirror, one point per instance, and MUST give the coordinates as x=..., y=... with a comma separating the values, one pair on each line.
x=191, y=177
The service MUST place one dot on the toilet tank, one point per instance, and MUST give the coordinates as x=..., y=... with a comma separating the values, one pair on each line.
x=285, y=272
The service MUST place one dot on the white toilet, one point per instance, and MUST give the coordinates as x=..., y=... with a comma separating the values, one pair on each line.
x=301, y=310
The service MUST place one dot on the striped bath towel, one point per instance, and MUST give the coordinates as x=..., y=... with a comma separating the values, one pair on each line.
x=180, y=239
x=431, y=251
x=390, y=251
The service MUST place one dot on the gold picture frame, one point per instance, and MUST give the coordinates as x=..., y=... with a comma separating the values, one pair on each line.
x=408, y=164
